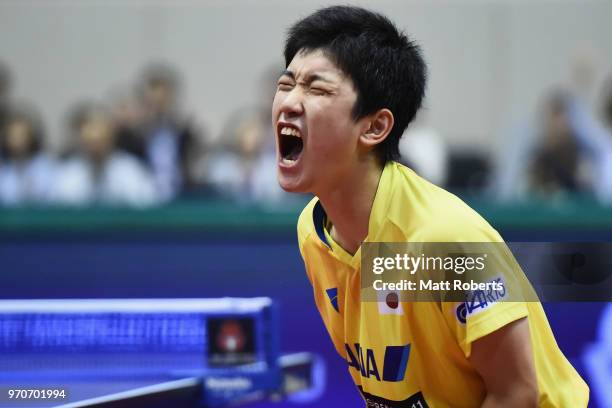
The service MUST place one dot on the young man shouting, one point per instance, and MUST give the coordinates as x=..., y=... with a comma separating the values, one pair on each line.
x=352, y=85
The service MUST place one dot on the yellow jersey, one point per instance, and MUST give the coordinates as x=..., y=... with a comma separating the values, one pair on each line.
x=415, y=354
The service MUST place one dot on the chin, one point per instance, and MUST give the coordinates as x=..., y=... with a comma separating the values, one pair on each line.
x=292, y=186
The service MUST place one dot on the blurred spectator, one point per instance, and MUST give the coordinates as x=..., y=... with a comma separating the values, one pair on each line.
x=26, y=172
x=243, y=166
x=423, y=149
x=128, y=117
x=165, y=140
x=595, y=139
x=607, y=104
x=510, y=179
x=540, y=156
x=556, y=161
x=98, y=173
x=5, y=89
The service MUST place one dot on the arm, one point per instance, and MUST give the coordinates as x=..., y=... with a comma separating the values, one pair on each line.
x=590, y=134
x=504, y=360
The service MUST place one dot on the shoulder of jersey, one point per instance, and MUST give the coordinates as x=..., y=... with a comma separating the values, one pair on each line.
x=441, y=216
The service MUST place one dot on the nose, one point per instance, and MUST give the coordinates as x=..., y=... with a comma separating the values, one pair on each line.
x=291, y=103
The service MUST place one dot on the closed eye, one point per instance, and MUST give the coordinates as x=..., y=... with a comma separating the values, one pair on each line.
x=285, y=86
x=319, y=91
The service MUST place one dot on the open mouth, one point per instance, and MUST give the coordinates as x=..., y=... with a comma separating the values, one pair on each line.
x=290, y=144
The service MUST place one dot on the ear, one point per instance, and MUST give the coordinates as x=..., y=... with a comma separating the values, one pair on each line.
x=380, y=125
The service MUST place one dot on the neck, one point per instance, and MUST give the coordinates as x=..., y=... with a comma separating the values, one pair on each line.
x=348, y=204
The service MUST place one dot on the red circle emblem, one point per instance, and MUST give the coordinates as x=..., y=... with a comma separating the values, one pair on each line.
x=392, y=300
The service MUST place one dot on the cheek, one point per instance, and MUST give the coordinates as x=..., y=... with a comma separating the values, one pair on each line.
x=332, y=130
x=276, y=102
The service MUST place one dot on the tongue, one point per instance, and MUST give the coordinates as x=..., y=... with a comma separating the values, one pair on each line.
x=295, y=149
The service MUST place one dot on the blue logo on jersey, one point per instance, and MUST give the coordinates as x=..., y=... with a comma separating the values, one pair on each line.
x=395, y=363
x=479, y=300
x=333, y=298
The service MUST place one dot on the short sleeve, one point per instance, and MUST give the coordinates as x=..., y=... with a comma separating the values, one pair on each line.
x=484, y=312
x=469, y=323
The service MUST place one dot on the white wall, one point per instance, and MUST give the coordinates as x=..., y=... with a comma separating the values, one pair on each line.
x=489, y=61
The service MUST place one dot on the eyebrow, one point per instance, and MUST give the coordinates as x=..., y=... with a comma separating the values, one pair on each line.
x=309, y=79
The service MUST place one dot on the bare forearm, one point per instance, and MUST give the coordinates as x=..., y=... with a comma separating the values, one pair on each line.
x=505, y=363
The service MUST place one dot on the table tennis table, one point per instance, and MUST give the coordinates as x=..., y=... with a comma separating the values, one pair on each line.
x=148, y=353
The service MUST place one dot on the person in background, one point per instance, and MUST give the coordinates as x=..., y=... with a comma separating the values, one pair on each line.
x=26, y=171
x=128, y=116
x=595, y=139
x=509, y=181
x=607, y=104
x=5, y=90
x=555, y=167
x=166, y=141
x=97, y=172
x=242, y=165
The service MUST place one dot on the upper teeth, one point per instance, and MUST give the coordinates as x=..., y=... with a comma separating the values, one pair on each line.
x=289, y=131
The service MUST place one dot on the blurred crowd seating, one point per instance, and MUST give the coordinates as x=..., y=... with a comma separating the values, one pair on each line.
x=139, y=149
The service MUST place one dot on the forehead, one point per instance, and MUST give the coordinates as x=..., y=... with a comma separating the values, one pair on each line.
x=315, y=63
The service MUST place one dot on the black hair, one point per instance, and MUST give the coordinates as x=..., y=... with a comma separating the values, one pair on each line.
x=30, y=116
x=159, y=73
x=387, y=69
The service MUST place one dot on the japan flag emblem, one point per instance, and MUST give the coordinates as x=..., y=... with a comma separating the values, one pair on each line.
x=389, y=304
